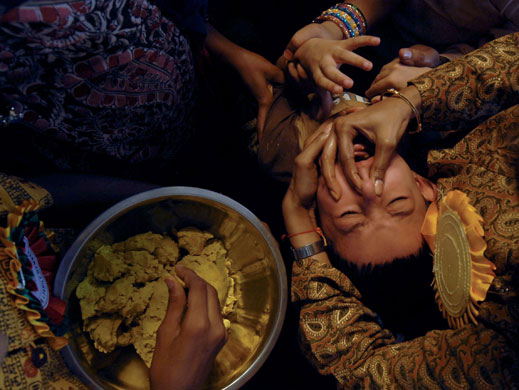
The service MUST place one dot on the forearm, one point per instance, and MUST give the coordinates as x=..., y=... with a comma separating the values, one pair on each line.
x=299, y=220
x=222, y=48
x=463, y=93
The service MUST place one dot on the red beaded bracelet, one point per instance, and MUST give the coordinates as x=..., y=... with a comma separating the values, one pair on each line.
x=315, y=230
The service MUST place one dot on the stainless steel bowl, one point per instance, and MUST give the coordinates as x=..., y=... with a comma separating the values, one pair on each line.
x=256, y=260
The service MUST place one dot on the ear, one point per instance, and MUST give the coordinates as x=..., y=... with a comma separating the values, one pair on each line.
x=427, y=188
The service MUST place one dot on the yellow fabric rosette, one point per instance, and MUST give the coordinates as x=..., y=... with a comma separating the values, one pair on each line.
x=462, y=274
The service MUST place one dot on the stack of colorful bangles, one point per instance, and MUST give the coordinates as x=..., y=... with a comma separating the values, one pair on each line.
x=347, y=17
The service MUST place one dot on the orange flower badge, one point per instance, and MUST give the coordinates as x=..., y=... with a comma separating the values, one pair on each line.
x=462, y=274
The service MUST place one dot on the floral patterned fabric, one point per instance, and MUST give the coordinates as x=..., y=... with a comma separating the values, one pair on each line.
x=343, y=338
x=97, y=78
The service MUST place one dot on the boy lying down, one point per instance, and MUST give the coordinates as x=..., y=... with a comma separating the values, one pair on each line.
x=366, y=284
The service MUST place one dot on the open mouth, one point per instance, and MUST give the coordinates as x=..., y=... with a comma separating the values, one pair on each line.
x=363, y=148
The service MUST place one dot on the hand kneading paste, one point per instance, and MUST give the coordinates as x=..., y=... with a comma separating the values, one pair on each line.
x=123, y=297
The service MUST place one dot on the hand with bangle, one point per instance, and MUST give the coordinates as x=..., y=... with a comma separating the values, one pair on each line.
x=298, y=205
x=384, y=124
x=317, y=51
x=410, y=63
x=341, y=21
x=319, y=60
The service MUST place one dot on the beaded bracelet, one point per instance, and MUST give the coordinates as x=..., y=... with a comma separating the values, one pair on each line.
x=329, y=17
x=391, y=92
x=356, y=15
x=315, y=230
x=347, y=17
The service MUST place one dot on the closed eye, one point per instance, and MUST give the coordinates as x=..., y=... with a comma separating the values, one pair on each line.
x=397, y=199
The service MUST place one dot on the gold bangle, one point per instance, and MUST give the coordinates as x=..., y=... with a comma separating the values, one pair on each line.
x=393, y=92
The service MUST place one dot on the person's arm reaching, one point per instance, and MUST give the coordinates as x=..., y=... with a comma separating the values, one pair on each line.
x=470, y=89
x=255, y=71
x=341, y=23
x=411, y=63
x=455, y=96
x=299, y=202
x=373, y=11
x=322, y=58
x=188, y=340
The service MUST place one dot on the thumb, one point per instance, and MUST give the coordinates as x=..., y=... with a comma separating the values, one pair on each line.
x=383, y=155
x=170, y=326
x=420, y=56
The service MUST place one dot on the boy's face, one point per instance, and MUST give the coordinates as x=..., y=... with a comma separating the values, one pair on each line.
x=365, y=228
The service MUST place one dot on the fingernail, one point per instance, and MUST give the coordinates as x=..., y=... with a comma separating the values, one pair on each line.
x=334, y=195
x=379, y=186
x=406, y=54
x=366, y=65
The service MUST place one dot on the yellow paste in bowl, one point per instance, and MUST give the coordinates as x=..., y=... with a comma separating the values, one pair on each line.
x=124, y=298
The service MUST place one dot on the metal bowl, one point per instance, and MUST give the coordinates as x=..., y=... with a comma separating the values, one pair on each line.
x=256, y=263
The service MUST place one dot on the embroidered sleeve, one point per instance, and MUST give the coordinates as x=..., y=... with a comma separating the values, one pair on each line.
x=463, y=93
x=343, y=338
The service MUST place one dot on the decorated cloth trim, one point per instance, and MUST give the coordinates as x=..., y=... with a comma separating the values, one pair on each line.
x=28, y=263
x=462, y=273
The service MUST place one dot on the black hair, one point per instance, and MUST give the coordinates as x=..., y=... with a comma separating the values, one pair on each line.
x=399, y=291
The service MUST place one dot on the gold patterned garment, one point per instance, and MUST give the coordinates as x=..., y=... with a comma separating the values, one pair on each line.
x=342, y=337
x=14, y=190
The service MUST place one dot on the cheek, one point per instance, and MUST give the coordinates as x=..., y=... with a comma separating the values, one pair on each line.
x=399, y=173
x=347, y=248
x=325, y=202
x=324, y=207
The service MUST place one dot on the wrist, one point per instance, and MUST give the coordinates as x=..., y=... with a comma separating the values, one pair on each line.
x=410, y=106
x=413, y=95
x=294, y=214
x=330, y=30
x=297, y=217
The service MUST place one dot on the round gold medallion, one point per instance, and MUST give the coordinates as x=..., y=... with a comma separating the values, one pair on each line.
x=452, y=264
x=462, y=274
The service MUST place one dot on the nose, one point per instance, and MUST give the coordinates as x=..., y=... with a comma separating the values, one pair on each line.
x=368, y=188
